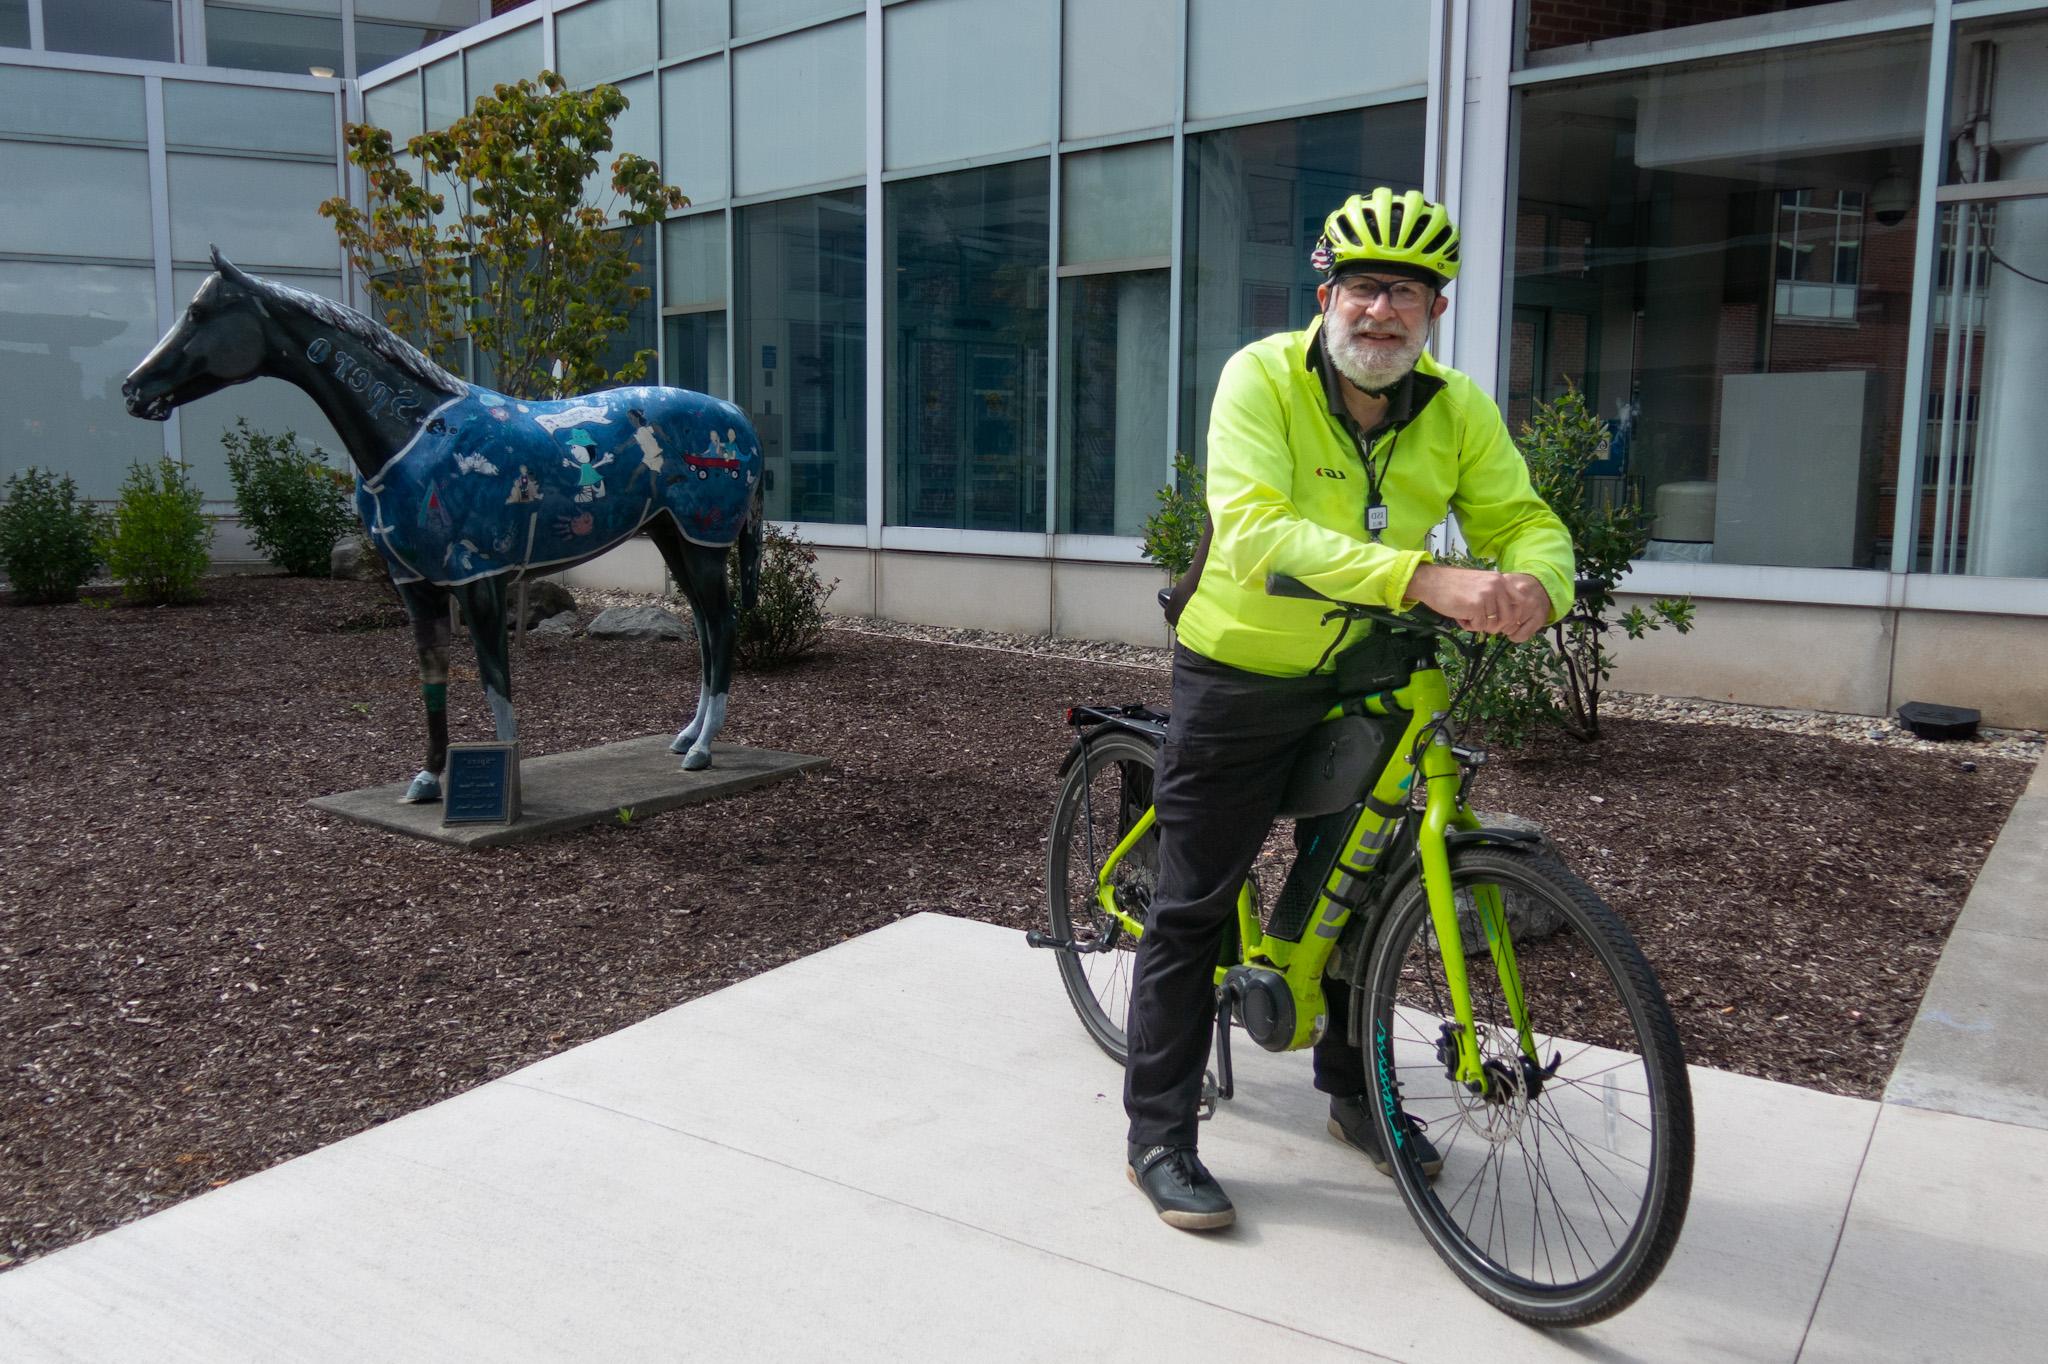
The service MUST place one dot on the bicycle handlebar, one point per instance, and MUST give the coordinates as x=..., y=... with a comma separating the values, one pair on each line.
x=1420, y=620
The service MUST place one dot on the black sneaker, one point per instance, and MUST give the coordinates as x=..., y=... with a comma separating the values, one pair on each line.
x=1186, y=1195
x=1351, y=1123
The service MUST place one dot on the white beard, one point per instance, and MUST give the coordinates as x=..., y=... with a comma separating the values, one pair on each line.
x=1371, y=367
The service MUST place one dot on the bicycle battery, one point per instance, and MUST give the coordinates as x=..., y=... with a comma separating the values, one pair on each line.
x=1335, y=765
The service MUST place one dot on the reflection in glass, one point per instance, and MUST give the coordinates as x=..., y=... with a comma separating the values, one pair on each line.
x=69, y=334
x=1113, y=345
x=13, y=23
x=638, y=334
x=967, y=356
x=1255, y=202
x=287, y=37
x=696, y=351
x=110, y=28
x=802, y=348
x=1722, y=290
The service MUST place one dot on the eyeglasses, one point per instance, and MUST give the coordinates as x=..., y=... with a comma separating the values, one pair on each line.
x=1363, y=290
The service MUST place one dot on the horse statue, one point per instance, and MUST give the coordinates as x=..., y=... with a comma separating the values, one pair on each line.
x=464, y=491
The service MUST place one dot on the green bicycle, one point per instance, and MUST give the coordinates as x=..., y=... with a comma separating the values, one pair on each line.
x=1498, y=1001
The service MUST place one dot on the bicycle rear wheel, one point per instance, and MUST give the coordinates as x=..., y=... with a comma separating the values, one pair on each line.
x=1106, y=790
x=1563, y=1189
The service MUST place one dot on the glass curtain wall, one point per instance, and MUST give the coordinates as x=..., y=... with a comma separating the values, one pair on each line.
x=1255, y=201
x=1116, y=238
x=141, y=29
x=1984, y=477
x=299, y=36
x=967, y=327
x=1719, y=255
x=693, y=299
x=801, y=339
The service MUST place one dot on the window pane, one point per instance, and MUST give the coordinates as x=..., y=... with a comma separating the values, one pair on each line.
x=69, y=334
x=967, y=328
x=504, y=60
x=1116, y=204
x=1243, y=58
x=396, y=108
x=1685, y=268
x=604, y=38
x=74, y=201
x=71, y=104
x=803, y=352
x=389, y=29
x=1117, y=67
x=965, y=78
x=247, y=118
x=696, y=352
x=693, y=261
x=1113, y=342
x=693, y=132
x=691, y=26
x=258, y=212
x=110, y=28
x=763, y=16
x=443, y=84
x=639, y=332
x=799, y=106
x=1255, y=201
x=269, y=405
x=1573, y=23
x=13, y=23
x=637, y=130
x=270, y=40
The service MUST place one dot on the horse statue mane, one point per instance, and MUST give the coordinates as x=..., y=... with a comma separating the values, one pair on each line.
x=382, y=341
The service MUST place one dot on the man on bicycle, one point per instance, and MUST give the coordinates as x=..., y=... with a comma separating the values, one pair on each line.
x=1332, y=453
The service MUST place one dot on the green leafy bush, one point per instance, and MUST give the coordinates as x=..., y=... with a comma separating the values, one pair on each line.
x=294, y=503
x=787, y=619
x=1555, y=678
x=157, y=544
x=49, y=537
x=1174, y=532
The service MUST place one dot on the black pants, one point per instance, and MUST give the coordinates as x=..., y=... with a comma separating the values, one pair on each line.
x=1229, y=748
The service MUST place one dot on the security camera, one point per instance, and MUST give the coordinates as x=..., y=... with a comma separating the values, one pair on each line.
x=1891, y=198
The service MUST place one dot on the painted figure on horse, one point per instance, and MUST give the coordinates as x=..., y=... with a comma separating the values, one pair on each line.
x=464, y=491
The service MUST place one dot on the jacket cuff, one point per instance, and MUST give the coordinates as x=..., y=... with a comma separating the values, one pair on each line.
x=1402, y=575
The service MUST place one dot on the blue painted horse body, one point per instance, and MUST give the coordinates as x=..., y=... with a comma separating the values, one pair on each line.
x=464, y=491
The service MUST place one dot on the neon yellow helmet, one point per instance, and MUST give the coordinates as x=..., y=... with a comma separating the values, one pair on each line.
x=1385, y=228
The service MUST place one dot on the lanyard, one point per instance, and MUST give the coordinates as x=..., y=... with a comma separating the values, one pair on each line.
x=1375, y=508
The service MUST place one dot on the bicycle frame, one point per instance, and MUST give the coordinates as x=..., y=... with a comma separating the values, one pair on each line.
x=1424, y=699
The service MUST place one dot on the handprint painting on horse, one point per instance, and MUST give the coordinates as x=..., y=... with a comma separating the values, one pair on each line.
x=465, y=491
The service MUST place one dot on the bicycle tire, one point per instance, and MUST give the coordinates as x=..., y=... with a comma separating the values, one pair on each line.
x=1613, y=1124
x=1112, y=781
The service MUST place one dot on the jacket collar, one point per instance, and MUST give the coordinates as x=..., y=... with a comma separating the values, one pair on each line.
x=1407, y=400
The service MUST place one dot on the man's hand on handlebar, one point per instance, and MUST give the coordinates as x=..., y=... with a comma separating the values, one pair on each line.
x=1482, y=601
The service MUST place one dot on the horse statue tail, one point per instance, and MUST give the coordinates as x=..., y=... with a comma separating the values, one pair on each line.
x=751, y=536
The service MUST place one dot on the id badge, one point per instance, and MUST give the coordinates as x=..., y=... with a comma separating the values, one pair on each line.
x=1376, y=518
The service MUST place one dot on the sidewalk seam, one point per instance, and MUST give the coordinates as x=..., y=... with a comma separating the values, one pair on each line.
x=1358, y=1350
x=1834, y=1251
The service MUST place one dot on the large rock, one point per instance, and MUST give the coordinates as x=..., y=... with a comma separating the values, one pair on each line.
x=563, y=624
x=636, y=622
x=354, y=560
x=545, y=598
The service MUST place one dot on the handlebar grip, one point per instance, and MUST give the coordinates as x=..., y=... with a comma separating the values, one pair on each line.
x=1280, y=585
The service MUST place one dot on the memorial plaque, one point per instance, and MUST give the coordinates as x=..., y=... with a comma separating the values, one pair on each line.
x=481, y=785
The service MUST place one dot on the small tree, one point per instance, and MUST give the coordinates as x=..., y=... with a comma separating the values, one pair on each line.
x=525, y=268
x=157, y=544
x=49, y=537
x=1556, y=677
x=294, y=503
x=1173, y=533
x=787, y=619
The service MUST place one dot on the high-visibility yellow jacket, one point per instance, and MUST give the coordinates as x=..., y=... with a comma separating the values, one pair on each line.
x=1287, y=493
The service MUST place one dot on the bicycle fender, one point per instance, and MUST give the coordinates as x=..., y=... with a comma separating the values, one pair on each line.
x=1458, y=838
x=1151, y=731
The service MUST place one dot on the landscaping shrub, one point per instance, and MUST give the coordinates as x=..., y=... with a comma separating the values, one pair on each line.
x=788, y=617
x=1174, y=532
x=293, y=502
x=1556, y=677
x=157, y=544
x=49, y=537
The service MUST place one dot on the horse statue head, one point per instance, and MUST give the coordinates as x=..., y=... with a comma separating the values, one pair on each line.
x=220, y=340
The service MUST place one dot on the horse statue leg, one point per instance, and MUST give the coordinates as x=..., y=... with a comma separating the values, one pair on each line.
x=426, y=604
x=484, y=606
x=700, y=571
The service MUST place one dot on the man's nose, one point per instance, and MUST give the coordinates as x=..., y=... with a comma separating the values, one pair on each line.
x=1380, y=307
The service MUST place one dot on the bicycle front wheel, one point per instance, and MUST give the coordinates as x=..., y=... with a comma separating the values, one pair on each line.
x=1565, y=1185
x=1106, y=790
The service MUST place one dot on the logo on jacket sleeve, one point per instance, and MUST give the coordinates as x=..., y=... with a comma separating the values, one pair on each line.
x=1329, y=473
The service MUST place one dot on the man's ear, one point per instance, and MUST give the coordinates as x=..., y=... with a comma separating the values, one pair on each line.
x=1323, y=297
x=1436, y=309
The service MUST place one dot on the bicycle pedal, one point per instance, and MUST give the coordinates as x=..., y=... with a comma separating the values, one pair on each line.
x=1205, y=1107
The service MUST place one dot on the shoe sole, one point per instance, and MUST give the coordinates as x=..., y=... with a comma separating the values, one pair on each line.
x=1430, y=1169
x=1187, y=1221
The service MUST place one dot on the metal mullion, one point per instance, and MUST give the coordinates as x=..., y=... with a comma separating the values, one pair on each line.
x=35, y=24
x=160, y=236
x=876, y=313
x=1176, y=242
x=1053, y=238
x=1920, y=321
x=1991, y=190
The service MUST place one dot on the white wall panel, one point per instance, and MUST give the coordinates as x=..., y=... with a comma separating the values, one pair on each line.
x=258, y=212
x=965, y=78
x=1281, y=53
x=695, y=131
x=1120, y=66
x=76, y=201
x=797, y=109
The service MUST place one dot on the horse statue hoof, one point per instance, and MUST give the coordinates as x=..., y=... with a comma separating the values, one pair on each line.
x=682, y=742
x=696, y=760
x=425, y=787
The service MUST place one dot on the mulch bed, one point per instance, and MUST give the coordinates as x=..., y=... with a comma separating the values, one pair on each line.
x=201, y=976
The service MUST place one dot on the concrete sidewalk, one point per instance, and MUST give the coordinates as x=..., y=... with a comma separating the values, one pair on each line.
x=906, y=1148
